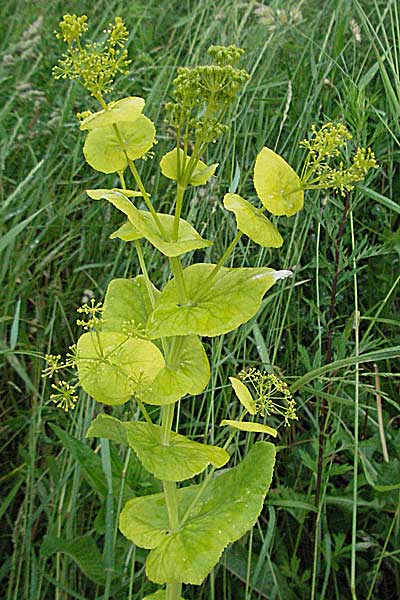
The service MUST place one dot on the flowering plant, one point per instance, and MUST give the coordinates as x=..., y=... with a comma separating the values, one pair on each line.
x=144, y=344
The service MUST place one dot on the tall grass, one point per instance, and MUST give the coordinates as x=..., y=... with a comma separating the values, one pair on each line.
x=55, y=245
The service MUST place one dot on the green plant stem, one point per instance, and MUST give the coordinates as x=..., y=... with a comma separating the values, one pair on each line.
x=133, y=170
x=205, y=482
x=177, y=270
x=109, y=533
x=356, y=421
x=178, y=209
x=142, y=263
x=169, y=487
x=224, y=257
x=145, y=195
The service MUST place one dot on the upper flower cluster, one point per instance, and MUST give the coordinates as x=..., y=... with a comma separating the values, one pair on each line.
x=203, y=93
x=94, y=65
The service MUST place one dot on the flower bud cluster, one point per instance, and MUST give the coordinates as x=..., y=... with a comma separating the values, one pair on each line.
x=329, y=142
x=94, y=65
x=203, y=93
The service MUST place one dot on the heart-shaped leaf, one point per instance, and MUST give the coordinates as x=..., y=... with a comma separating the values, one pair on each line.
x=143, y=222
x=254, y=224
x=180, y=459
x=112, y=367
x=126, y=109
x=229, y=506
x=107, y=152
x=214, y=306
x=187, y=371
x=169, y=167
x=127, y=305
x=278, y=185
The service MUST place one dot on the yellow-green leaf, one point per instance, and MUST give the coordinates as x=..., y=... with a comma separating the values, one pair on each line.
x=278, y=185
x=169, y=167
x=126, y=109
x=214, y=306
x=228, y=507
x=253, y=223
x=126, y=233
x=126, y=305
x=250, y=426
x=186, y=372
x=244, y=395
x=179, y=460
x=100, y=193
x=143, y=222
x=105, y=152
x=112, y=367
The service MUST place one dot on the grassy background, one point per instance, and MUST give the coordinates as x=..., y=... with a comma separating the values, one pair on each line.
x=55, y=245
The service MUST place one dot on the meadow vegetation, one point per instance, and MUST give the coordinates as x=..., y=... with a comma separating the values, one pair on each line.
x=330, y=525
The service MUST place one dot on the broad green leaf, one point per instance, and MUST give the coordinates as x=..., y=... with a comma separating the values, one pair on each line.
x=100, y=193
x=254, y=224
x=104, y=152
x=229, y=506
x=82, y=550
x=112, y=366
x=169, y=167
x=127, y=305
x=142, y=221
x=244, y=395
x=186, y=372
x=179, y=460
x=278, y=185
x=126, y=109
x=213, y=306
x=126, y=233
x=159, y=595
x=249, y=426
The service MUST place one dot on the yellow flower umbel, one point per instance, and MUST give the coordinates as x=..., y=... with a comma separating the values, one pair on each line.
x=328, y=143
x=272, y=396
x=94, y=65
x=92, y=311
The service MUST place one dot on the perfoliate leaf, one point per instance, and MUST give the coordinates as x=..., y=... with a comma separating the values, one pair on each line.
x=169, y=167
x=126, y=305
x=188, y=238
x=244, y=395
x=100, y=193
x=186, y=372
x=278, y=185
x=229, y=506
x=126, y=109
x=179, y=460
x=103, y=150
x=213, y=306
x=126, y=233
x=249, y=426
x=251, y=222
x=112, y=367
